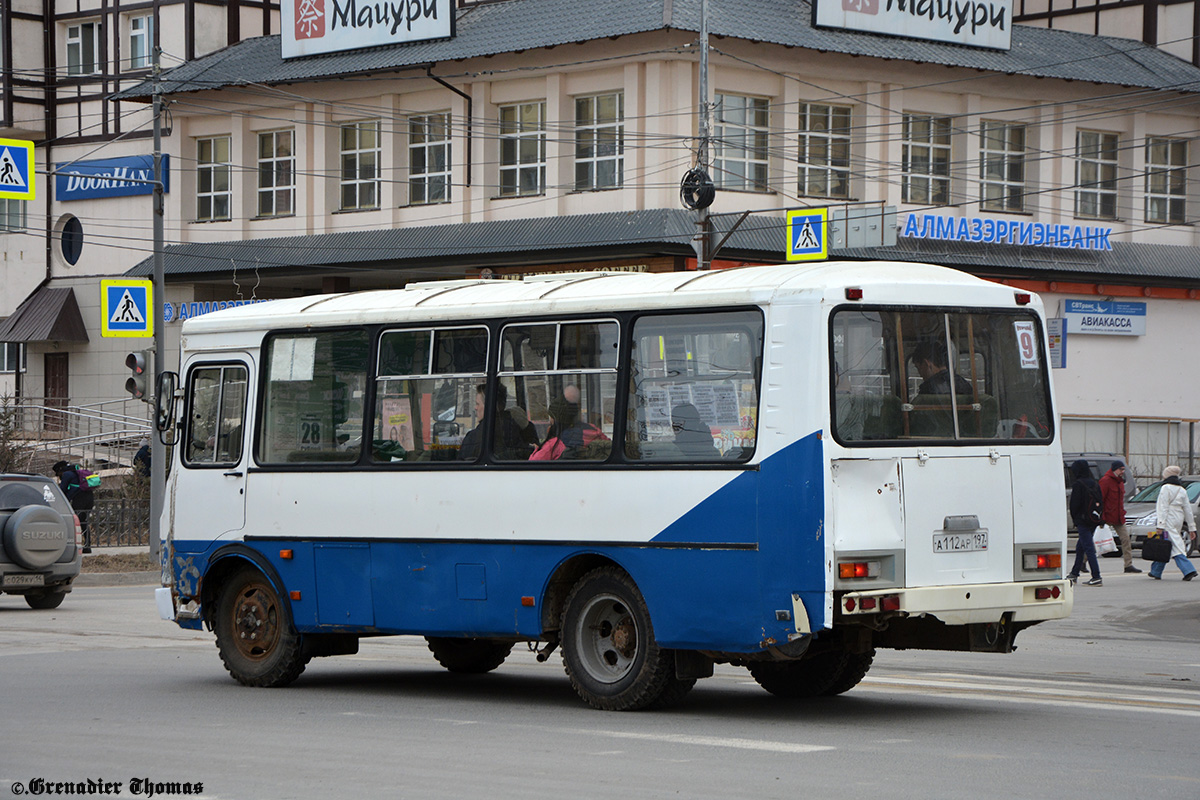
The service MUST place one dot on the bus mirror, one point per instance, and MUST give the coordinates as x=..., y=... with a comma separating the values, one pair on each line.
x=164, y=406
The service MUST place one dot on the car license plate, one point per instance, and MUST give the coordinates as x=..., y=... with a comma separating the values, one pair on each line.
x=24, y=580
x=959, y=542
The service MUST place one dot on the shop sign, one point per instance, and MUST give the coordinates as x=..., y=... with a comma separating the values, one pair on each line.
x=976, y=23
x=1002, y=231
x=310, y=27
x=178, y=312
x=109, y=177
x=1109, y=317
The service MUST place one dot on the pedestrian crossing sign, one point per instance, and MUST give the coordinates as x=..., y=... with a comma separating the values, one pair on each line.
x=16, y=169
x=806, y=232
x=125, y=308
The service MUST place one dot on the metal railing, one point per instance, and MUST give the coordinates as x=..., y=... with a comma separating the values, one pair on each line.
x=120, y=522
x=101, y=436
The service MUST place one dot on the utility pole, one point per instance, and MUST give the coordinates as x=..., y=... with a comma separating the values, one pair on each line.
x=696, y=190
x=158, y=459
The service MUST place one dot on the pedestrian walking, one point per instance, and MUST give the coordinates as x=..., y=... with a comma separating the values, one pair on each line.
x=1112, y=490
x=1087, y=508
x=1173, y=510
x=72, y=479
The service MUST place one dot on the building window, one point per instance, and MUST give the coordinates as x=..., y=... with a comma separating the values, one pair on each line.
x=926, y=159
x=12, y=357
x=213, y=173
x=83, y=48
x=360, y=165
x=523, y=149
x=1095, y=175
x=599, y=142
x=824, y=150
x=141, y=42
x=1166, y=180
x=1002, y=166
x=740, y=144
x=429, y=158
x=276, y=173
x=12, y=215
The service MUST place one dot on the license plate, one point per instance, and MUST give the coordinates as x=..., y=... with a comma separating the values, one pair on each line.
x=24, y=580
x=959, y=542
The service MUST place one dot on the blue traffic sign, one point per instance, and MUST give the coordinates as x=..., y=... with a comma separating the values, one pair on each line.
x=17, y=181
x=125, y=308
x=807, y=231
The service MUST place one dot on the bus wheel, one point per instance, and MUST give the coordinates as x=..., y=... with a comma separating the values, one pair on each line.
x=474, y=656
x=255, y=637
x=824, y=674
x=609, y=651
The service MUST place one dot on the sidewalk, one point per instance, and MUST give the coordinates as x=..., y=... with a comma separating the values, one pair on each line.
x=117, y=578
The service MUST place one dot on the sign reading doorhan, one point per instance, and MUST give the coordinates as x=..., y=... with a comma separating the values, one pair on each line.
x=125, y=308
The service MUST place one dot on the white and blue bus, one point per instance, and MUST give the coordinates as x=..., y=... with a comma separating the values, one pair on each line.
x=782, y=468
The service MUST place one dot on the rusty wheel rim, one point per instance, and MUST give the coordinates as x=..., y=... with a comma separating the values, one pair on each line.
x=254, y=622
x=607, y=636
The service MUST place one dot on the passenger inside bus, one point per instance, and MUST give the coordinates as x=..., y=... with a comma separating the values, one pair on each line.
x=512, y=443
x=569, y=436
x=692, y=436
x=929, y=359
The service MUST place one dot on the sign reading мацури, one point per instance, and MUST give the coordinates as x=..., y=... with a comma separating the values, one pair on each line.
x=109, y=177
x=309, y=27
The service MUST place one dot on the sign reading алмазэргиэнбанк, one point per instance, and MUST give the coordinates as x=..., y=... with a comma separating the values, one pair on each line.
x=310, y=27
x=977, y=23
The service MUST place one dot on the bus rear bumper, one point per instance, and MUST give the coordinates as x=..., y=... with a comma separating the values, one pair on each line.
x=1032, y=601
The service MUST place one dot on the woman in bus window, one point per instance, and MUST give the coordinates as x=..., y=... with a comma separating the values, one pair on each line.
x=568, y=434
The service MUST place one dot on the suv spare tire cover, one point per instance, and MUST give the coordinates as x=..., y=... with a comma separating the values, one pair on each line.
x=36, y=536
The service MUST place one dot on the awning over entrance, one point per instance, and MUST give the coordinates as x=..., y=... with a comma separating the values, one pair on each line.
x=47, y=315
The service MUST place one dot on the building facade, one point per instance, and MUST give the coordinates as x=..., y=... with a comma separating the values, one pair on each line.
x=541, y=136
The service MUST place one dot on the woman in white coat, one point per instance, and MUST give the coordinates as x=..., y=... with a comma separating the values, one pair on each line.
x=1173, y=509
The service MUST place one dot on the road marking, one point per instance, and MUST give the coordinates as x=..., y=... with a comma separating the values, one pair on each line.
x=710, y=741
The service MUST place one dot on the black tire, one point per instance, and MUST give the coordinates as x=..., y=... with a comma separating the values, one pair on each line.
x=45, y=600
x=608, y=646
x=822, y=675
x=469, y=656
x=255, y=636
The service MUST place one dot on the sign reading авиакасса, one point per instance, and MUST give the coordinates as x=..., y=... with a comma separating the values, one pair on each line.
x=310, y=27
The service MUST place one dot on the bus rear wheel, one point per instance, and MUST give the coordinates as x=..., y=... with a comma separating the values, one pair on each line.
x=255, y=636
x=608, y=645
x=822, y=675
x=469, y=656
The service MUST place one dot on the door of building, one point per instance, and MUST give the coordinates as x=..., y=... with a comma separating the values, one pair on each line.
x=57, y=391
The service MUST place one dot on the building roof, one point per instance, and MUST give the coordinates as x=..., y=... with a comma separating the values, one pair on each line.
x=760, y=239
x=518, y=25
x=47, y=315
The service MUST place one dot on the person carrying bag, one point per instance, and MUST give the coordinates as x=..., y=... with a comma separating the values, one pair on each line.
x=1173, y=509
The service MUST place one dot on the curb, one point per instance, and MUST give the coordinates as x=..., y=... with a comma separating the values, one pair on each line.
x=151, y=578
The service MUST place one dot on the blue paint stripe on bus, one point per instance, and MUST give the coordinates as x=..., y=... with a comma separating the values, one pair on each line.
x=703, y=598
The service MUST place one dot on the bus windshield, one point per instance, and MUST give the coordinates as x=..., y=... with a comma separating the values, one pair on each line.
x=901, y=374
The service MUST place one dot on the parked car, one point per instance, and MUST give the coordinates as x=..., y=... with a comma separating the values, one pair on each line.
x=1098, y=463
x=41, y=543
x=1140, y=516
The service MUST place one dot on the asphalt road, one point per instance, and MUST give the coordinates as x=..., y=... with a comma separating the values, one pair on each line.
x=1104, y=704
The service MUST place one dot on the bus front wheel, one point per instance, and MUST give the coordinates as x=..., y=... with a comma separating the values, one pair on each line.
x=822, y=675
x=608, y=645
x=255, y=636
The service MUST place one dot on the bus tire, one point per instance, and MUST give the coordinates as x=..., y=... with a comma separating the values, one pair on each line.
x=255, y=636
x=468, y=656
x=608, y=647
x=822, y=675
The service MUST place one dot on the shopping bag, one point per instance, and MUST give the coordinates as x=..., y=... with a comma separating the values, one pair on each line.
x=1103, y=540
x=1157, y=547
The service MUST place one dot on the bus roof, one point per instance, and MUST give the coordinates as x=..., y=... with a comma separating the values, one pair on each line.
x=599, y=292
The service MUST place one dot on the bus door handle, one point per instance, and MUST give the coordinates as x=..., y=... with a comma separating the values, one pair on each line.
x=234, y=474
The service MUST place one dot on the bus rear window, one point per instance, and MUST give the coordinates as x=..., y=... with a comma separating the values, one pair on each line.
x=948, y=375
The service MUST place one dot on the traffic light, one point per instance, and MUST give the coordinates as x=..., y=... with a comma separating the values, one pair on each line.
x=139, y=364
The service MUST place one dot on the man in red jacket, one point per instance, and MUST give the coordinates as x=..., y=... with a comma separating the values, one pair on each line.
x=1112, y=489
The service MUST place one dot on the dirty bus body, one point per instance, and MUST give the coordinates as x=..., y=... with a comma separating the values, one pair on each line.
x=745, y=466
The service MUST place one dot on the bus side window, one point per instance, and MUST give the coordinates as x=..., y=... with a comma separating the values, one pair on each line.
x=216, y=413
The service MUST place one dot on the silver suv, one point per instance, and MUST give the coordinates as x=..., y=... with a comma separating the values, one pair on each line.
x=41, y=544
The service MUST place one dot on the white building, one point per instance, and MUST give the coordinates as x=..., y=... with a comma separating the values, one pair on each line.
x=548, y=135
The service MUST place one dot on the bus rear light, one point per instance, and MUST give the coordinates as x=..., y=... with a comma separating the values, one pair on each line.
x=890, y=602
x=887, y=602
x=1036, y=561
x=854, y=293
x=1047, y=593
x=858, y=569
x=1024, y=298
x=867, y=604
x=850, y=604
